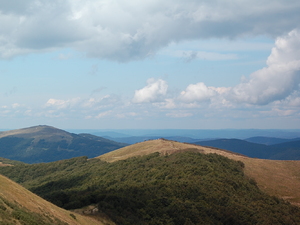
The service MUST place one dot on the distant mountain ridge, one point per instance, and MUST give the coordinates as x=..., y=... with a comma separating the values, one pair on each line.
x=285, y=150
x=269, y=140
x=193, y=133
x=46, y=144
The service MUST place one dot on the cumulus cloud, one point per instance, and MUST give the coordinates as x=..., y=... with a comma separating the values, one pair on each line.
x=279, y=79
x=140, y=29
x=81, y=107
x=155, y=91
x=166, y=104
x=197, y=92
x=62, y=104
x=294, y=101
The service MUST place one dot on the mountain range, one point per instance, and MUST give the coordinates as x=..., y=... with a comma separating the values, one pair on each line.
x=152, y=182
x=47, y=144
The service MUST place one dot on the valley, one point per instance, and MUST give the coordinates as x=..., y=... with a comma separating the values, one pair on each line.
x=169, y=182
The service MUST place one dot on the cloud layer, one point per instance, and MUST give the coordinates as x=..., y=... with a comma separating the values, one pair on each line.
x=270, y=91
x=125, y=31
x=128, y=30
x=278, y=83
x=279, y=79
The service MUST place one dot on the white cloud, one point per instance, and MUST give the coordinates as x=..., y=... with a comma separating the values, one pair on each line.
x=99, y=102
x=15, y=105
x=179, y=114
x=167, y=104
x=294, y=102
x=155, y=91
x=103, y=114
x=276, y=81
x=126, y=115
x=139, y=29
x=82, y=103
x=197, y=92
x=62, y=104
x=286, y=50
x=81, y=107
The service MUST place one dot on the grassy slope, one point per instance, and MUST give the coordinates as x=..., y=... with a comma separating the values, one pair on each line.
x=276, y=177
x=17, y=195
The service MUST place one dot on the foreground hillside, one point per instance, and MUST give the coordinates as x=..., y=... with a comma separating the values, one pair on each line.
x=47, y=144
x=186, y=187
x=20, y=206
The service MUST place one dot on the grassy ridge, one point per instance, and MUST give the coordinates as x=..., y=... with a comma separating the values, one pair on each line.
x=182, y=188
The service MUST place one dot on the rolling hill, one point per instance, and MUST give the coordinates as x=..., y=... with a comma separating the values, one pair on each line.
x=46, y=144
x=276, y=177
x=20, y=206
x=168, y=182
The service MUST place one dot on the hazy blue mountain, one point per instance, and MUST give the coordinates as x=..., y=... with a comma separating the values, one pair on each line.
x=269, y=140
x=283, y=151
x=240, y=146
x=287, y=150
x=47, y=144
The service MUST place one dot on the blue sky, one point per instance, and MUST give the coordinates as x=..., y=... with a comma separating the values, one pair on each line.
x=151, y=64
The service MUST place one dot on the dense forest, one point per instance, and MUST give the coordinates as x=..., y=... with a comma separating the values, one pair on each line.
x=182, y=188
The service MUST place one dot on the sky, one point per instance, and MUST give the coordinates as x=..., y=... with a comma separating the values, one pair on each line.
x=180, y=64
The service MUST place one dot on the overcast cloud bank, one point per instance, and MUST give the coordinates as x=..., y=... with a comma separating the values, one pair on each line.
x=130, y=30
